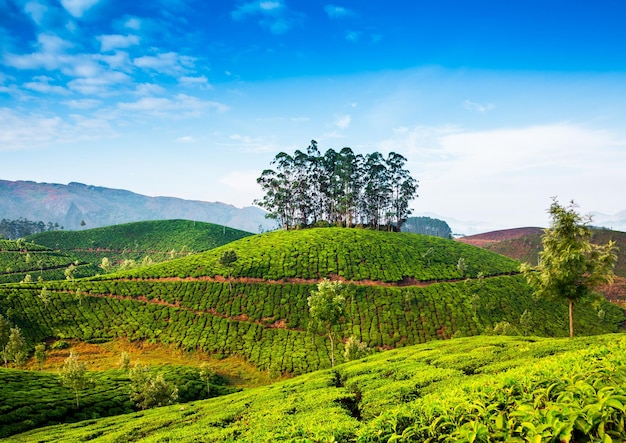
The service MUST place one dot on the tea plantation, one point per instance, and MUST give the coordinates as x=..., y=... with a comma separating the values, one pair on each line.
x=401, y=289
x=477, y=389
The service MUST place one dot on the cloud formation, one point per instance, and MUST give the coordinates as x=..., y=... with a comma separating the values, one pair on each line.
x=271, y=15
x=78, y=7
x=335, y=11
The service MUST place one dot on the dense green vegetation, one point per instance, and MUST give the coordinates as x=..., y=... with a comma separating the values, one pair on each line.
x=33, y=399
x=427, y=226
x=22, y=227
x=20, y=258
x=352, y=254
x=337, y=188
x=463, y=390
x=401, y=289
x=152, y=241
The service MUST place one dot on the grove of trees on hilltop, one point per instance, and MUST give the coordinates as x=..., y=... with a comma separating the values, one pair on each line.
x=339, y=188
x=14, y=229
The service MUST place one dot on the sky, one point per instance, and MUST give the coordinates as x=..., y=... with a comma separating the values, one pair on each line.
x=498, y=106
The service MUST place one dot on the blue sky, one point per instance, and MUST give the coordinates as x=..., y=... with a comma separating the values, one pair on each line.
x=498, y=105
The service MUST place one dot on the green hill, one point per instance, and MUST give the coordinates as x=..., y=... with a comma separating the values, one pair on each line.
x=350, y=254
x=403, y=289
x=22, y=260
x=473, y=389
x=148, y=241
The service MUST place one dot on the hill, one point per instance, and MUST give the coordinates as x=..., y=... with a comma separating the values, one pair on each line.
x=402, y=289
x=76, y=205
x=472, y=389
x=154, y=241
x=22, y=260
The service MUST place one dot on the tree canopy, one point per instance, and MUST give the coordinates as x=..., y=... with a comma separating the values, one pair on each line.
x=339, y=188
x=570, y=266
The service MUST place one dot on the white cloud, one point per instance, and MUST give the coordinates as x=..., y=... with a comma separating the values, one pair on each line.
x=149, y=89
x=78, y=7
x=36, y=10
x=200, y=81
x=42, y=84
x=100, y=83
x=185, y=139
x=180, y=106
x=352, y=36
x=86, y=103
x=133, y=23
x=510, y=174
x=342, y=121
x=477, y=107
x=335, y=11
x=168, y=63
x=117, y=41
x=27, y=131
x=273, y=15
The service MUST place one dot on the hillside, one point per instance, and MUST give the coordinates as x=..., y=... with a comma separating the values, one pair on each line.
x=473, y=389
x=155, y=240
x=524, y=244
x=74, y=204
x=19, y=259
x=402, y=289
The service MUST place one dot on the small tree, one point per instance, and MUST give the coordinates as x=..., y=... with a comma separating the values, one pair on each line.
x=105, y=264
x=40, y=355
x=74, y=375
x=206, y=375
x=570, y=267
x=355, y=349
x=16, y=347
x=44, y=296
x=326, y=310
x=5, y=332
x=228, y=258
x=526, y=322
x=149, y=391
x=124, y=361
x=70, y=272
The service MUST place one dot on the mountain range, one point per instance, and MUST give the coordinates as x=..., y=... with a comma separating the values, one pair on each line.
x=78, y=206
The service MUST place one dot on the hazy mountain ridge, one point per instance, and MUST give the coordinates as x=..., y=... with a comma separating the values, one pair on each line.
x=69, y=205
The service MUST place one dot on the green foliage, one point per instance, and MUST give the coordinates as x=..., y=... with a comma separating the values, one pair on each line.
x=570, y=266
x=326, y=310
x=139, y=242
x=352, y=254
x=74, y=375
x=5, y=332
x=427, y=226
x=21, y=261
x=148, y=390
x=124, y=362
x=355, y=349
x=16, y=347
x=30, y=399
x=40, y=354
x=498, y=389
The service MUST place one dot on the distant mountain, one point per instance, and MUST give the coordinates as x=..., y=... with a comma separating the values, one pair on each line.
x=78, y=206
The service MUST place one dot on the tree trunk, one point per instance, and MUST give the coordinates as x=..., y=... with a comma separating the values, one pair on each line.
x=77, y=405
x=571, y=318
x=332, y=349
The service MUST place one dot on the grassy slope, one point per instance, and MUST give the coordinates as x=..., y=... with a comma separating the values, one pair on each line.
x=159, y=240
x=108, y=395
x=352, y=254
x=503, y=388
x=265, y=321
x=19, y=258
